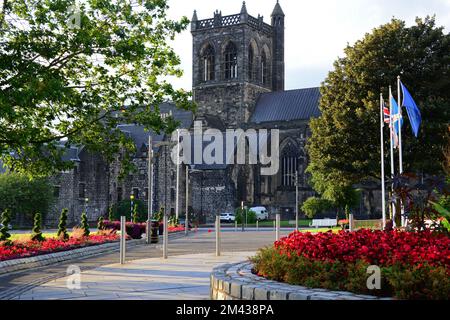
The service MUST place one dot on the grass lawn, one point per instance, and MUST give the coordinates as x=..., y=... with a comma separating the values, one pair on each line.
x=284, y=224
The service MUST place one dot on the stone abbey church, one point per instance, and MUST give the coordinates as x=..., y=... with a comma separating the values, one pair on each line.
x=238, y=82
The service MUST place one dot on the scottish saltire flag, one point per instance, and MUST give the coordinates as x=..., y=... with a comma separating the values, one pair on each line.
x=413, y=111
x=396, y=121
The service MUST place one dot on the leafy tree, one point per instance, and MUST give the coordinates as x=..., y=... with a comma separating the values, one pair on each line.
x=62, y=226
x=6, y=219
x=76, y=73
x=24, y=196
x=85, y=224
x=123, y=208
x=344, y=146
x=314, y=206
x=37, y=233
x=242, y=215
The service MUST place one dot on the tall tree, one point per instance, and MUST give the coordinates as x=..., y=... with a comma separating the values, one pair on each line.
x=75, y=71
x=344, y=147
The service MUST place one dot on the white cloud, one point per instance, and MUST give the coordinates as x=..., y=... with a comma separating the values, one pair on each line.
x=316, y=31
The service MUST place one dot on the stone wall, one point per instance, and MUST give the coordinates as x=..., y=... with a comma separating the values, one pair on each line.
x=236, y=282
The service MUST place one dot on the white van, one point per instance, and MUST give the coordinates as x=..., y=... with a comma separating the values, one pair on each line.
x=261, y=213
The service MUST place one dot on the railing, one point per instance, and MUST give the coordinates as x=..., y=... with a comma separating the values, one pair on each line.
x=232, y=20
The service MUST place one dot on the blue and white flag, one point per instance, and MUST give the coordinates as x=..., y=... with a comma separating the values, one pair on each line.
x=413, y=111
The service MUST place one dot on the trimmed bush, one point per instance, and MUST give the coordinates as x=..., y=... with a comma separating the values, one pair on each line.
x=5, y=220
x=85, y=224
x=62, y=226
x=101, y=224
x=37, y=233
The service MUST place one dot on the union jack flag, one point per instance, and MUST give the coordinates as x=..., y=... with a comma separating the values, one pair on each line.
x=387, y=114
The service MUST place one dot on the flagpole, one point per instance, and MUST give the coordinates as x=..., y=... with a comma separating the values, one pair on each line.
x=391, y=125
x=400, y=147
x=383, y=186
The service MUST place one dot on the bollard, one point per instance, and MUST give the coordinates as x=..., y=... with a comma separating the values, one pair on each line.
x=217, y=236
x=149, y=232
x=350, y=222
x=274, y=225
x=277, y=223
x=165, y=237
x=235, y=226
x=123, y=234
x=257, y=225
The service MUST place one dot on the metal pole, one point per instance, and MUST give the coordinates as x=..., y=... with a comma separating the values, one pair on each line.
x=235, y=226
x=165, y=235
x=242, y=216
x=177, y=198
x=217, y=236
x=392, y=153
x=277, y=229
x=150, y=190
x=400, y=147
x=257, y=225
x=186, y=224
x=123, y=234
x=296, y=200
x=350, y=223
x=383, y=186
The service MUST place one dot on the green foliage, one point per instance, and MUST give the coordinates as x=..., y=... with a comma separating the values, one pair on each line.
x=242, y=215
x=62, y=226
x=24, y=196
x=123, y=208
x=401, y=281
x=173, y=221
x=56, y=88
x=37, y=233
x=85, y=224
x=444, y=213
x=101, y=224
x=135, y=214
x=159, y=215
x=343, y=148
x=313, y=206
x=110, y=214
x=5, y=220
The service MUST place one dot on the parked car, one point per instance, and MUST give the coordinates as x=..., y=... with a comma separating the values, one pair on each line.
x=227, y=217
x=261, y=213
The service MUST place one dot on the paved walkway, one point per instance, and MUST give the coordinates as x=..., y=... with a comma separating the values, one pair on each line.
x=179, y=278
x=23, y=284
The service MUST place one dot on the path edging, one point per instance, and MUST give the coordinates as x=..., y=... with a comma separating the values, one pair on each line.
x=237, y=282
x=15, y=265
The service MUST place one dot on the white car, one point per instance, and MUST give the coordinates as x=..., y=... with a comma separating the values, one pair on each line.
x=227, y=217
x=261, y=213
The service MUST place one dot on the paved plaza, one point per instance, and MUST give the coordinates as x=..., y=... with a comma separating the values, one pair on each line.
x=146, y=276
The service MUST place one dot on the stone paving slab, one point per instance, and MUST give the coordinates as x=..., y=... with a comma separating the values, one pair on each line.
x=185, y=277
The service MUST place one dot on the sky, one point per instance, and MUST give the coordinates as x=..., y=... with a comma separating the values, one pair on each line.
x=317, y=31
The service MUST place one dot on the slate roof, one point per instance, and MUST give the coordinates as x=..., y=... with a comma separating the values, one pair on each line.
x=301, y=104
x=140, y=135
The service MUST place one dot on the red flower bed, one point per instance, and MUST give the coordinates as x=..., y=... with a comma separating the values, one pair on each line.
x=374, y=247
x=25, y=249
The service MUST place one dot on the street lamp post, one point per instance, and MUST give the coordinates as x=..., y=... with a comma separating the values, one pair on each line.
x=242, y=215
x=86, y=201
x=177, y=196
x=132, y=203
x=150, y=190
x=186, y=222
x=296, y=198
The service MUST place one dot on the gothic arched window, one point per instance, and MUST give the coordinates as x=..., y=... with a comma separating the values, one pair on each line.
x=231, y=65
x=264, y=69
x=251, y=62
x=289, y=164
x=208, y=64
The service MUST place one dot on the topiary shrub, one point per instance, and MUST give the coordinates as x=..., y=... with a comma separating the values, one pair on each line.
x=135, y=214
x=5, y=220
x=110, y=214
x=85, y=224
x=101, y=224
x=37, y=233
x=62, y=226
x=123, y=208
